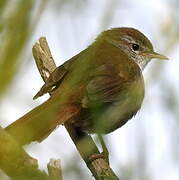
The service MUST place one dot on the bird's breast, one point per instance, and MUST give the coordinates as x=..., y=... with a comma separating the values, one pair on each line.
x=110, y=116
x=119, y=112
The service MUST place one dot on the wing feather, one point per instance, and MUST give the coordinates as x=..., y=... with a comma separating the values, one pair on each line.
x=104, y=86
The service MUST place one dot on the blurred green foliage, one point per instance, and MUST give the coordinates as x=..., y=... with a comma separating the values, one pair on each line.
x=2, y=4
x=15, y=32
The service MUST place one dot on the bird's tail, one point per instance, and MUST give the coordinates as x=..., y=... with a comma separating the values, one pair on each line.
x=37, y=124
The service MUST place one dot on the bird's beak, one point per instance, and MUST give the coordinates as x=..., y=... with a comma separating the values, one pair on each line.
x=155, y=55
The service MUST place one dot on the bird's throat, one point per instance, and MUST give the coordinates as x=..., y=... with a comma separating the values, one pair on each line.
x=141, y=62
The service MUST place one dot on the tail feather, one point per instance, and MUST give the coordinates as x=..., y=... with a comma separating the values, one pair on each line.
x=37, y=124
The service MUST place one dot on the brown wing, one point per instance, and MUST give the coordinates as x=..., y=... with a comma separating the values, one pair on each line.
x=104, y=87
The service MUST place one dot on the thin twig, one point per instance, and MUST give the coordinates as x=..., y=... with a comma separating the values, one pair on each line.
x=54, y=169
x=43, y=58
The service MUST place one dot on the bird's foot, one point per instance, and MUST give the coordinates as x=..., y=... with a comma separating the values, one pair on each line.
x=93, y=157
x=104, y=154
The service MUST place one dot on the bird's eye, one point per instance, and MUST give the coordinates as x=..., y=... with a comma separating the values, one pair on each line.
x=135, y=47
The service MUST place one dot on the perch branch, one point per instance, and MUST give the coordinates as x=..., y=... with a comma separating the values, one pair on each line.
x=15, y=162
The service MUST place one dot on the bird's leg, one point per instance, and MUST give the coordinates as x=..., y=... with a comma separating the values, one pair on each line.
x=84, y=143
x=105, y=151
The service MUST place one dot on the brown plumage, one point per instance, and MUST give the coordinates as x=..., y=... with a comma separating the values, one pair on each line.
x=102, y=87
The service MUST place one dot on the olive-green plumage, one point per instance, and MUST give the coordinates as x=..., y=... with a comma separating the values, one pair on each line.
x=103, y=84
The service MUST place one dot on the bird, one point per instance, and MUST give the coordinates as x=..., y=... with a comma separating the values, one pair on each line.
x=102, y=87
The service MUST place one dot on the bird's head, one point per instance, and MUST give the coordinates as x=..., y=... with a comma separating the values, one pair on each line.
x=134, y=43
